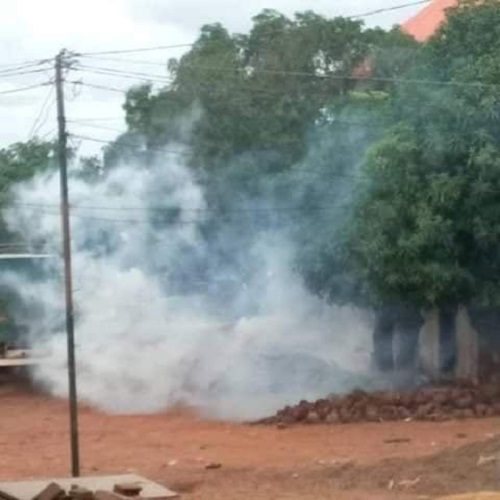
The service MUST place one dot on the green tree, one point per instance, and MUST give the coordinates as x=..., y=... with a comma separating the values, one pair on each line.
x=18, y=162
x=23, y=160
x=427, y=231
x=261, y=92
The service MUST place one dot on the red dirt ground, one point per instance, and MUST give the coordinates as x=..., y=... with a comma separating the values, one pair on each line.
x=257, y=462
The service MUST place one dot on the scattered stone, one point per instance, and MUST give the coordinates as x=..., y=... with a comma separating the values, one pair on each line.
x=106, y=495
x=437, y=404
x=333, y=417
x=78, y=493
x=397, y=441
x=313, y=418
x=213, y=466
x=51, y=492
x=7, y=496
x=486, y=460
x=407, y=483
x=127, y=489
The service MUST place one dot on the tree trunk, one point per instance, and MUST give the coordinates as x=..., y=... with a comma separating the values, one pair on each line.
x=467, y=342
x=383, y=342
x=429, y=345
x=447, y=340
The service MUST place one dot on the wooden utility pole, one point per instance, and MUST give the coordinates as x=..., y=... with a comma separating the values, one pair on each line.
x=68, y=280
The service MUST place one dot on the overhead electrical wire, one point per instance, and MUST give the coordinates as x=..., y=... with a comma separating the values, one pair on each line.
x=129, y=146
x=27, y=63
x=94, y=126
x=369, y=13
x=42, y=115
x=97, y=119
x=296, y=174
x=140, y=49
x=205, y=86
x=24, y=69
x=321, y=77
x=121, y=208
x=100, y=87
x=178, y=221
x=135, y=75
x=24, y=89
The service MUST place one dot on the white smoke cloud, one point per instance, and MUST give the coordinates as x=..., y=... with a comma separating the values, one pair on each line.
x=142, y=343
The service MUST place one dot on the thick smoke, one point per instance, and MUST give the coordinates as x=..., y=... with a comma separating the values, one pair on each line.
x=160, y=321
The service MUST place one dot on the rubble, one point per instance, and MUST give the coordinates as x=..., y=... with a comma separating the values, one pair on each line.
x=106, y=495
x=436, y=404
x=213, y=466
x=127, y=489
x=51, y=492
x=54, y=491
x=78, y=493
x=6, y=496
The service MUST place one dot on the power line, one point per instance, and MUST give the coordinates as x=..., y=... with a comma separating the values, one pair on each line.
x=389, y=9
x=205, y=86
x=100, y=87
x=322, y=77
x=99, y=127
x=42, y=115
x=135, y=75
x=98, y=118
x=129, y=146
x=49, y=133
x=188, y=45
x=295, y=174
x=175, y=222
x=23, y=89
x=108, y=208
x=21, y=73
x=25, y=64
x=25, y=69
x=141, y=49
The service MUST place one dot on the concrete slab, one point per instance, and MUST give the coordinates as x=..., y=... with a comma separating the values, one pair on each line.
x=26, y=490
x=19, y=358
x=15, y=363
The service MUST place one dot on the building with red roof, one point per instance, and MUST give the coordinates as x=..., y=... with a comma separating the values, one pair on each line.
x=424, y=24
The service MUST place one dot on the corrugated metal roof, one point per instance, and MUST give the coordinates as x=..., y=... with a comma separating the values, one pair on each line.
x=424, y=24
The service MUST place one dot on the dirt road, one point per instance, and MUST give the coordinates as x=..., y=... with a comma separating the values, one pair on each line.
x=344, y=462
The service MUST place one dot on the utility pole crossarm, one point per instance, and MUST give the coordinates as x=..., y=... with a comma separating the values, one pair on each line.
x=68, y=280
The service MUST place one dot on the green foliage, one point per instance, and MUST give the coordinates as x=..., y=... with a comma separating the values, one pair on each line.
x=267, y=117
x=427, y=228
x=90, y=169
x=261, y=92
x=22, y=160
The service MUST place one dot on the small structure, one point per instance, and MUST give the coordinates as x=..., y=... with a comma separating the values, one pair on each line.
x=28, y=490
x=19, y=263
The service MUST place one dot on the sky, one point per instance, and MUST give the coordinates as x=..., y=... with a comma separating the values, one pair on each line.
x=32, y=29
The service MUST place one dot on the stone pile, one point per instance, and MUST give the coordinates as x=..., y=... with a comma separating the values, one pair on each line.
x=54, y=491
x=432, y=404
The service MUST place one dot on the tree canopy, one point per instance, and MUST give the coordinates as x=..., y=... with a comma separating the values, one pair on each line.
x=427, y=227
x=386, y=150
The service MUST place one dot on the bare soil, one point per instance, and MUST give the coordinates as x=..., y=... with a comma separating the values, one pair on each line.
x=400, y=460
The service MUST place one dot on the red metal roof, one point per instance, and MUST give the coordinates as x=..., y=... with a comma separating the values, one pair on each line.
x=424, y=24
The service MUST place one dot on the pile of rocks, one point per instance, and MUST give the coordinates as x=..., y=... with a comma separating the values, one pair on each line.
x=433, y=404
x=54, y=491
